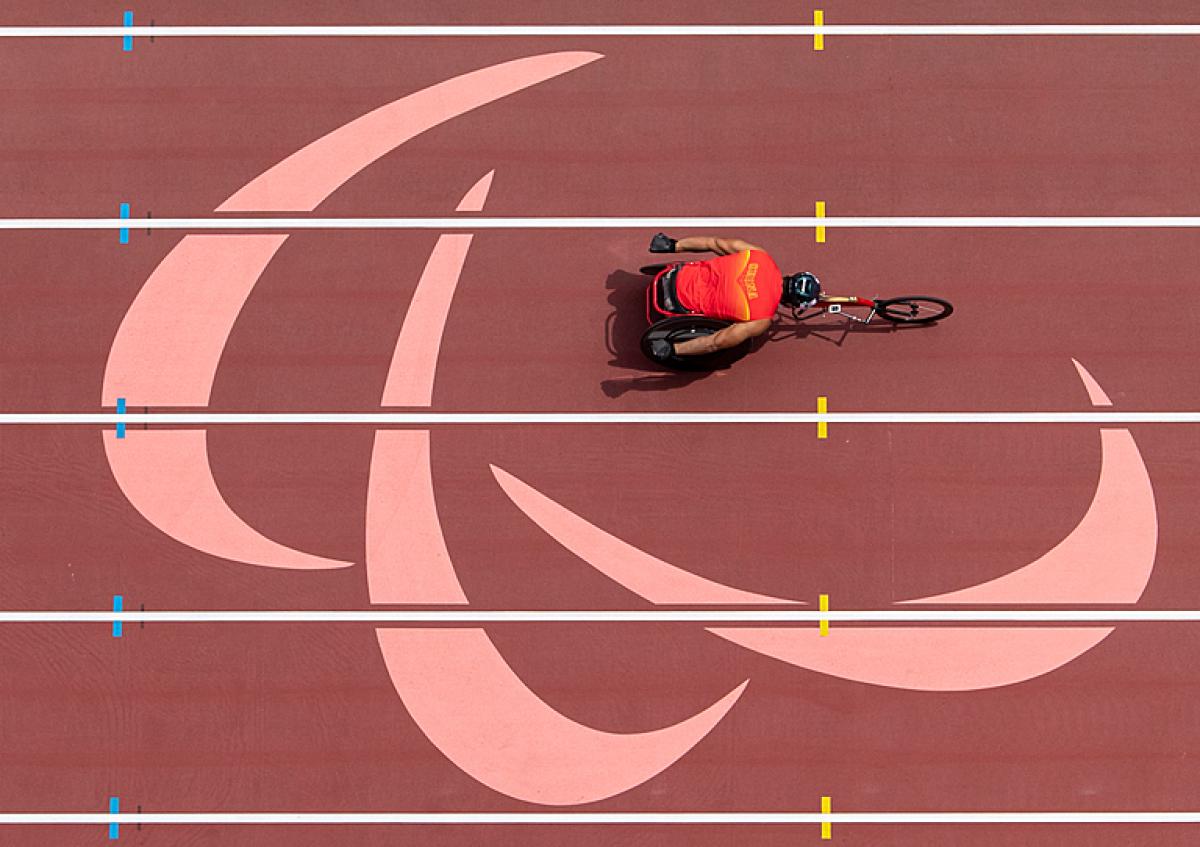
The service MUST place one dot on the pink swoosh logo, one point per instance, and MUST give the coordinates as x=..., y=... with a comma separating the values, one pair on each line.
x=455, y=684
x=473, y=708
x=169, y=345
x=1106, y=559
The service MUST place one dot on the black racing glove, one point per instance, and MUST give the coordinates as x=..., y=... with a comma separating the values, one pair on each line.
x=662, y=350
x=662, y=243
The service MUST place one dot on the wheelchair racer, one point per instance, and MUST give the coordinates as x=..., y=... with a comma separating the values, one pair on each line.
x=742, y=284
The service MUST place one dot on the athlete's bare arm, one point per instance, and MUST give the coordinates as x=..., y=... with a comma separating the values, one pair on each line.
x=712, y=244
x=730, y=336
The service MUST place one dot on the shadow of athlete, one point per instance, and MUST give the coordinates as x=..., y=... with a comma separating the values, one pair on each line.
x=833, y=330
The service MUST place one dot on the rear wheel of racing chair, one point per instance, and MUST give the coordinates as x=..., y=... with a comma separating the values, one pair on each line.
x=684, y=328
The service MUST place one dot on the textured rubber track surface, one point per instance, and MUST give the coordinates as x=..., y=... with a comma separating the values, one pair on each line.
x=303, y=717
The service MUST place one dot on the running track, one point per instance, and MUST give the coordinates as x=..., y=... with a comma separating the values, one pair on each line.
x=302, y=717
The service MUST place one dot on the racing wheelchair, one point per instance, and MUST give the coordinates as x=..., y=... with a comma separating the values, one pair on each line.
x=668, y=319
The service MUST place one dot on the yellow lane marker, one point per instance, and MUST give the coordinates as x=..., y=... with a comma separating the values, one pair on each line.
x=820, y=229
x=826, y=826
x=824, y=625
x=818, y=37
x=822, y=426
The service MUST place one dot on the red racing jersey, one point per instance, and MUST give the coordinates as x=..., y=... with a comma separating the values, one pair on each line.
x=743, y=286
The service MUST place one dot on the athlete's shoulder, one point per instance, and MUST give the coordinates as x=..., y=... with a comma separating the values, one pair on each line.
x=764, y=259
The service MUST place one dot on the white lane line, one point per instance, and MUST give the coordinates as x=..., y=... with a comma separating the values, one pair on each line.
x=572, y=418
x=653, y=30
x=466, y=224
x=701, y=616
x=602, y=818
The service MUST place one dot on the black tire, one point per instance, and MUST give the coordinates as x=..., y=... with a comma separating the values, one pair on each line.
x=684, y=328
x=913, y=310
x=653, y=270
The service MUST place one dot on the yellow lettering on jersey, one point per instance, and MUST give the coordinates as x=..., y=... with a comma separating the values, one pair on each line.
x=748, y=280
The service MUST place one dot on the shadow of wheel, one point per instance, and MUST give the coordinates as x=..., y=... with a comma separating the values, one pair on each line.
x=685, y=328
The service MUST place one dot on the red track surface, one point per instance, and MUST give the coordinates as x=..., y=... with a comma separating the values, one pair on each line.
x=303, y=717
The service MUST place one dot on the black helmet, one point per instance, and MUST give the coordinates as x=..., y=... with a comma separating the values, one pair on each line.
x=800, y=289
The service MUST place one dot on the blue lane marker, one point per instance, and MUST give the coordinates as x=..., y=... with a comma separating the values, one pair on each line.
x=120, y=411
x=124, y=230
x=118, y=605
x=114, y=808
x=127, y=43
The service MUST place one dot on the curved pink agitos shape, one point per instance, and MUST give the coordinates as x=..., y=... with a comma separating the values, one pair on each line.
x=301, y=181
x=1095, y=393
x=169, y=343
x=407, y=560
x=1109, y=555
x=166, y=476
x=923, y=658
x=477, y=194
x=414, y=360
x=166, y=353
x=636, y=570
x=1106, y=559
x=168, y=347
x=481, y=716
